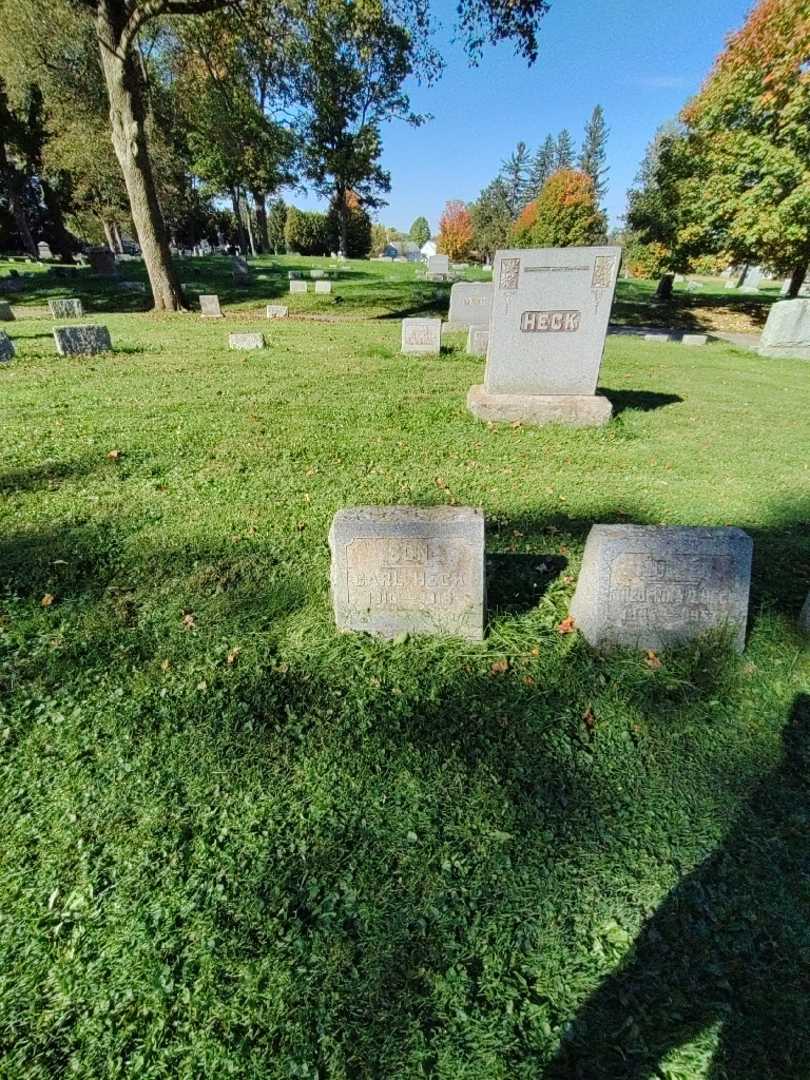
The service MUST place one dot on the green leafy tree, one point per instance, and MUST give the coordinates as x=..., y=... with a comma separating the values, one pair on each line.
x=358, y=228
x=593, y=155
x=420, y=231
x=516, y=175
x=276, y=220
x=491, y=218
x=13, y=179
x=564, y=151
x=379, y=238
x=306, y=232
x=565, y=213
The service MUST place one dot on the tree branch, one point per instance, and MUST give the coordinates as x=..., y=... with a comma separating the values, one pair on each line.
x=151, y=9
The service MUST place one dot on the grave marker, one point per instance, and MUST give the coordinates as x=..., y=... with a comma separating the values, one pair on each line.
x=6, y=348
x=82, y=340
x=787, y=331
x=209, y=307
x=323, y=287
x=277, y=311
x=403, y=569
x=477, y=340
x=6, y=314
x=245, y=341
x=438, y=265
x=102, y=261
x=44, y=250
x=65, y=309
x=298, y=286
x=421, y=336
x=652, y=587
x=470, y=304
x=550, y=312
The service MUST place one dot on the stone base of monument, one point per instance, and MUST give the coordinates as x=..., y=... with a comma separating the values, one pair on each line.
x=572, y=410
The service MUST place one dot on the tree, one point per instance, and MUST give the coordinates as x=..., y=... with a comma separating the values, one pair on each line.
x=747, y=129
x=564, y=151
x=565, y=213
x=358, y=227
x=306, y=232
x=455, y=230
x=491, y=218
x=276, y=220
x=543, y=165
x=420, y=231
x=593, y=155
x=515, y=173
x=13, y=181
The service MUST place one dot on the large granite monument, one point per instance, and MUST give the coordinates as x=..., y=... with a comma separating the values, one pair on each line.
x=404, y=569
x=787, y=331
x=550, y=311
x=652, y=587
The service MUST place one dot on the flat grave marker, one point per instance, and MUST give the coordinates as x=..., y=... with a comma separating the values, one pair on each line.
x=323, y=287
x=421, y=336
x=65, y=309
x=297, y=286
x=415, y=570
x=82, y=340
x=653, y=587
x=245, y=341
x=277, y=311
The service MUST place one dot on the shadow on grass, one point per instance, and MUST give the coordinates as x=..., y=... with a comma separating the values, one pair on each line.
x=727, y=948
x=517, y=583
x=643, y=400
x=47, y=474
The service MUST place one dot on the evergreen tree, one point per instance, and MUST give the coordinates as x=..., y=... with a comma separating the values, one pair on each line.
x=515, y=173
x=420, y=231
x=593, y=155
x=543, y=165
x=564, y=151
x=276, y=220
x=491, y=218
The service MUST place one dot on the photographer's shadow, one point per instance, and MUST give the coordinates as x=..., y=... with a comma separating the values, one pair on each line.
x=729, y=947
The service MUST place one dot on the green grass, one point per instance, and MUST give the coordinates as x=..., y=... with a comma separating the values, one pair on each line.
x=327, y=856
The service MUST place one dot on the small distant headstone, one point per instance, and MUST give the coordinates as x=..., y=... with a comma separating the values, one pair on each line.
x=694, y=339
x=241, y=270
x=550, y=312
x=132, y=286
x=694, y=286
x=421, y=336
x=6, y=314
x=409, y=570
x=316, y=274
x=246, y=341
x=470, y=304
x=66, y=309
x=298, y=286
x=323, y=286
x=102, y=261
x=82, y=340
x=438, y=264
x=656, y=337
x=752, y=278
x=209, y=307
x=477, y=340
x=44, y=250
x=6, y=348
x=787, y=331
x=277, y=311
x=293, y=275
x=651, y=587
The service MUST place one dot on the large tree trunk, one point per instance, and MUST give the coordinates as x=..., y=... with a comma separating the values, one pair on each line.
x=61, y=237
x=249, y=222
x=116, y=235
x=128, y=120
x=664, y=290
x=343, y=222
x=262, y=238
x=108, y=235
x=797, y=280
x=14, y=183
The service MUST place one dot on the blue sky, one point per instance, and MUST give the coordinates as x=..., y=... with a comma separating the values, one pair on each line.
x=639, y=61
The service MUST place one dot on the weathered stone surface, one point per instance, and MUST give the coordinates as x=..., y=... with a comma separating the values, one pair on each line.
x=403, y=569
x=477, y=339
x=298, y=286
x=82, y=340
x=293, y=275
x=694, y=339
x=654, y=587
x=209, y=306
x=656, y=337
x=421, y=335
x=470, y=304
x=787, y=331
x=65, y=309
x=323, y=286
x=6, y=314
x=550, y=313
x=44, y=250
x=804, y=616
x=6, y=348
x=245, y=341
x=277, y=311
x=572, y=410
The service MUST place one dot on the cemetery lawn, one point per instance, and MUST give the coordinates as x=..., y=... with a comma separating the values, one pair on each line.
x=237, y=843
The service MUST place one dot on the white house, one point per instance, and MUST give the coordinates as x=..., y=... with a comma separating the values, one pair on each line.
x=428, y=248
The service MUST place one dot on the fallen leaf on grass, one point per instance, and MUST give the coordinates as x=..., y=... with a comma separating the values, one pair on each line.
x=652, y=661
x=528, y=680
x=188, y=621
x=589, y=719
x=165, y=665
x=233, y=655
x=47, y=599
x=115, y=455
x=566, y=626
x=499, y=667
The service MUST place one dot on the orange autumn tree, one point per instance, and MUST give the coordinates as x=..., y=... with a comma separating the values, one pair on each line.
x=749, y=144
x=566, y=212
x=455, y=230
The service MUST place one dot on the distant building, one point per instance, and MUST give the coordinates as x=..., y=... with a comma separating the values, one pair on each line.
x=402, y=249
x=429, y=248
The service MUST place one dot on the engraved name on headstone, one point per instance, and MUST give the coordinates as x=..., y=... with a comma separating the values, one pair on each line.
x=6, y=348
x=65, y=309
x=82, y=340
x=421, y=335
x=404, y=569
x=209, y=306
x=653, y=587
x=246, y=341
x=277, y=311
x=470, y=304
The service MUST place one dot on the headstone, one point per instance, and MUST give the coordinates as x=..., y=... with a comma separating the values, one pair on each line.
x=694, y=339
x=785, y=287
x=316, y=274
x=752, y=278
x=6, y=348
x=550, y=312
x=102, y=261
x=241, y=270
x=245, y=341
x=277, y=311
x=409, y=570
x=656, y=337
x=66, y=309
x=298, y=286
x=438, y=264
x=293, y=275
x=652, y=587
x=421, y=335
x=11, y=284
x=804, y=616
x=82, y=340
x=209, y=307
x=44, y=250
x=787, y=331
x=470, y=304
x=477, y=340
x=6, y=314
x=323, y=286
x=132, y=286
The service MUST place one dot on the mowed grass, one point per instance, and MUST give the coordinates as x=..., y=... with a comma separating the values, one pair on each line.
x=236, y=843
